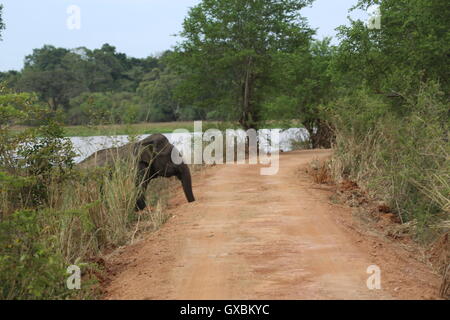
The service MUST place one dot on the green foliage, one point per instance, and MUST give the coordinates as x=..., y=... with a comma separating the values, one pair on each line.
x=31, y=164
x=47, y=72
x=102, y=86
x=105, y=108
x=30, y=266
x=392, y=113
x=53, y=214
x=302, y=86
x=10, y=78
x=396, y=158
x=34, y=156
x=228, y=49
x=45, y=150
x=411, y=47
x=159, y=98
x=58, y=75
x=16, y=109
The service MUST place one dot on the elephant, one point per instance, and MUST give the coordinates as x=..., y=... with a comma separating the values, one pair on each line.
x=153, y=158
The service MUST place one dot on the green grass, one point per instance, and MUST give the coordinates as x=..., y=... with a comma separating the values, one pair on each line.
x=130, y=129
x=155, y=127
x=120, y=129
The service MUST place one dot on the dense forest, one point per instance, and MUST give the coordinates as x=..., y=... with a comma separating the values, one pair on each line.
x=380, y=98
x=101, y=85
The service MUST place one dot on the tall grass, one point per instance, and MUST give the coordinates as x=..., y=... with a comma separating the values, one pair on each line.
x=85, y=215
x=54, y=214
x=401, y=159
x=400, y=154
x=99, y=207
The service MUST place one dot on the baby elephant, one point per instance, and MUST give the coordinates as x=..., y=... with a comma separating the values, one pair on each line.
x=153, y=158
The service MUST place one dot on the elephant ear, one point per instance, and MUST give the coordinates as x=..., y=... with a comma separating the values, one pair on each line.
x=154, y=146
x=144, y=151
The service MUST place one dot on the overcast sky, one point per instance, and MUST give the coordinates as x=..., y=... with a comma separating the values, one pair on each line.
x=138, y=28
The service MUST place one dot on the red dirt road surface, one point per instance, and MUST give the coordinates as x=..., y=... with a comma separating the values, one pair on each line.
x=250, y=236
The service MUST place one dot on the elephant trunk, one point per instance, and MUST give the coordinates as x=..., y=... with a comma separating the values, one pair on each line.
x=186, y=181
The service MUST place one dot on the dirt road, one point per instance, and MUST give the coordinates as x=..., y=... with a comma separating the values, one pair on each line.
x=264, y=237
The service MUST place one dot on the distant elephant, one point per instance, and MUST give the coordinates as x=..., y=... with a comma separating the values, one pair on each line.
x=153, y=158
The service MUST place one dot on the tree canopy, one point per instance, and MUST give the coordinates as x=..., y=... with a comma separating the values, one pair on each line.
x=228, y=51
x=74, y=81
x=412, y=45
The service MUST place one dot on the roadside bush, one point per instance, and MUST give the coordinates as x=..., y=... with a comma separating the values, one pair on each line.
x=30, y=266
x=53, y=214
x=403, y=161
x=82, y=216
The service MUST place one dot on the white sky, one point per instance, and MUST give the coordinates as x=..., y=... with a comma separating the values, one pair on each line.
x=138, y=28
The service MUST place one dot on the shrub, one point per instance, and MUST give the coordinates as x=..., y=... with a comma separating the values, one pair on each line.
x=30, y=267
x=53, y=214
x=403, y=160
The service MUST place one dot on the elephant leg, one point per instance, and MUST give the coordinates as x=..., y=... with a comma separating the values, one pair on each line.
x=143, y=178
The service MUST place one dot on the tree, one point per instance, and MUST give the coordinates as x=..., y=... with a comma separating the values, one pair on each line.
x=105, y=108
x=158, y=95
x=392, y=113
x=412, y=46
x=47, y=73
x=303, y=86
x=58, y=74
x=11, y=78
x=107, y=68
x=137, y=69
x=228, y=50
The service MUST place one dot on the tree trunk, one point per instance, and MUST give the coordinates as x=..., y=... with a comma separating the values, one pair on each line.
x=323, y=137
x=248, y=118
